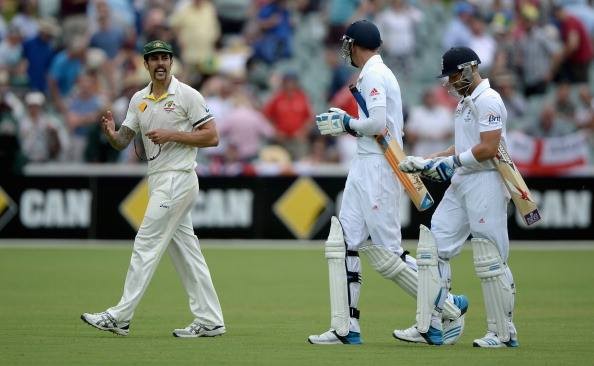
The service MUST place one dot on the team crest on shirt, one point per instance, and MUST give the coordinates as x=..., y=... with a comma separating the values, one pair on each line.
x=169, y=106
x=142, y=106
x=374, y=92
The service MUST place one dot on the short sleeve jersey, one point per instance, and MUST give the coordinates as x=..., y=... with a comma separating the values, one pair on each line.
x=379, y=88
x=482, y=111
x=181, y=109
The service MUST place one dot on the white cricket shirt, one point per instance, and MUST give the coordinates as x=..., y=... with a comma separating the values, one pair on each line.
x=181, y=109
x=488, y=114
x=379, y=88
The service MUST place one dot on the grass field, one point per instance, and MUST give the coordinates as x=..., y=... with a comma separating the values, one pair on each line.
x=272, y=300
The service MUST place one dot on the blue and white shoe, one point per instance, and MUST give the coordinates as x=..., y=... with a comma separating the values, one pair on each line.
x=453, y=329
x=195, y=330
x=461, y=301
x=490, y=340
x=433, y=336
x=331, y=337
x=105, y=321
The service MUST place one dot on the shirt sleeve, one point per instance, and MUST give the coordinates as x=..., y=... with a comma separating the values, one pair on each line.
x=373, y=90
x=131, y=121
x=491, y=114
x=198, y=112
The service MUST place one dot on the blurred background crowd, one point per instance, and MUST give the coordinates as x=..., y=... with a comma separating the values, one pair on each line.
x=266, y=67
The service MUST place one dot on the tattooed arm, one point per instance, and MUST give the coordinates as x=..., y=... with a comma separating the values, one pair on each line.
x=120, y=139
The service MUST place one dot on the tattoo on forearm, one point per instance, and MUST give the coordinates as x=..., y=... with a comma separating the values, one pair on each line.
x=122, y=138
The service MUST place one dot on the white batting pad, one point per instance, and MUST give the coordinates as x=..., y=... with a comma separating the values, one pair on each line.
x=498, y=292
x=339, y=299
x=392, y=267
x=431, y=293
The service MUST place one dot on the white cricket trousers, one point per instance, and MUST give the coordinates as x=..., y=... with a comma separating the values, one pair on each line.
x=168, y=220
x=371, y=204
x=474, y=204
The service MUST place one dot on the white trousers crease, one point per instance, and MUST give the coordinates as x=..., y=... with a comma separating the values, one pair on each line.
x=370, y=204
x=473, y=204
x=168, y=220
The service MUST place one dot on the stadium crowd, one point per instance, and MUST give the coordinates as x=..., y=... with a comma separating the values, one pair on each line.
x=266, y=67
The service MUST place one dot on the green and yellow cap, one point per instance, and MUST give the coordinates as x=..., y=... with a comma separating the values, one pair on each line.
x=156, y=46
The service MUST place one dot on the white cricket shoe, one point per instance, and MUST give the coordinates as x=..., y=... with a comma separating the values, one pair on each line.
x=331, y=337
x=490, y=340
x=105, y=321
x=452, y=331
x=195, y=330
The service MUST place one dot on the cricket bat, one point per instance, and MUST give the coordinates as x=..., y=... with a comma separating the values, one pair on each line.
x=516, y=186
x=412, y=183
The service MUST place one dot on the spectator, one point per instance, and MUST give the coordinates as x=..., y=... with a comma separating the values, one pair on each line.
x=290, y=112
x=276, y=32
x=40, y=134
x=26, y=19
x=515, y=104
x=339, y=13
x=457, y=32
x=73, y=19
x=64, y=70
x=482, y=42
x=198, y=30
x=39, y=53
x=538, y=54
x=340, y=71
x=584, y=114
x=563, y=103
x=429, y=127
x=245, y=129
x=577, y=47
x=11, y=49
x=108, y=37
x=10, y=112
x=233, y=15
x=84, y=109
x=397, y=24
x=549, y=124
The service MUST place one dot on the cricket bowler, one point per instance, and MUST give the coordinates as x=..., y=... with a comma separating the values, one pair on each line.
x=174, y=121
x=474, y=204
x=372, y=196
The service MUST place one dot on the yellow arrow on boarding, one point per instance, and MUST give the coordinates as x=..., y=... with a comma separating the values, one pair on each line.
x=134, y=205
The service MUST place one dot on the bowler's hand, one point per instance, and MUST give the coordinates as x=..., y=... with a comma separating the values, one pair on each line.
x=107, y=124
x=160, y=136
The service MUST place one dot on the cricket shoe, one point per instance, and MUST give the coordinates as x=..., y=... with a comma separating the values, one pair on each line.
x=452, y=329
x=490, y=340
x=331, y=337
x=105, y=321
x=195, y=330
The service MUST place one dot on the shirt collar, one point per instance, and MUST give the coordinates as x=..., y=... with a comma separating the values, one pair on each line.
x=375, y=59
x=170, y=90
x=483, y=85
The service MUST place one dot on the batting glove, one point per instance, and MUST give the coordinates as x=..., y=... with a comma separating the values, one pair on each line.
x=335, y=123
x=441, y=169
x=414, y=164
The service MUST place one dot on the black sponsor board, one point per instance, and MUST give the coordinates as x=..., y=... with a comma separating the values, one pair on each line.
x=253, y=207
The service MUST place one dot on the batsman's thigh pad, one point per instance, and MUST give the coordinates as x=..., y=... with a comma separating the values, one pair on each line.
x=392, y=267
x=335, y=251
x=498, y=290
x=431, y=293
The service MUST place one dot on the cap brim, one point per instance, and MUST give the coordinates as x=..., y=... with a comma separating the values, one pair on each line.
x=158, y=50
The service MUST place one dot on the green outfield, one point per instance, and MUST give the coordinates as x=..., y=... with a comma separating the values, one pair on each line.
x=272, y=300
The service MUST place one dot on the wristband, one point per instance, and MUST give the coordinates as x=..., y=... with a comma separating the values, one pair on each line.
x=467, y=158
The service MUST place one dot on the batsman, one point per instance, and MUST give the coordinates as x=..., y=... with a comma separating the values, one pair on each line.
x=372, y=197
x=474, y=203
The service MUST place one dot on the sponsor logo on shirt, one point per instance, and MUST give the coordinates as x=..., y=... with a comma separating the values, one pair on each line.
x=493, y=119
x=374, y=93
x=169, y=106
x=142, y=106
